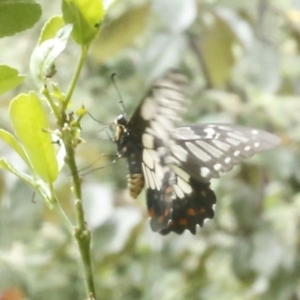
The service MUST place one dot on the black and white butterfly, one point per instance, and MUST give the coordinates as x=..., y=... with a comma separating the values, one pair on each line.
x=176, y=164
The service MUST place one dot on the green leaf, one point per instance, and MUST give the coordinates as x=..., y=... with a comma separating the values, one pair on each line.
x=44, y=55
x=86, y=17
x=39, y=187
x=25, y=177
x=113, y=38
x=51, y=28
x=18, y=15
x=9, y=78
x=29, y=120
x=216, y=47
x=10, y=140
x=56, y=92
x=243, y=252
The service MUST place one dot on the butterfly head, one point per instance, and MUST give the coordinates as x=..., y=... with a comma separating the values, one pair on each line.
x=121, y=132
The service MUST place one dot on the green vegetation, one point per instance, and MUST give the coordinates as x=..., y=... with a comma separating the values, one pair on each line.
x=66, y=235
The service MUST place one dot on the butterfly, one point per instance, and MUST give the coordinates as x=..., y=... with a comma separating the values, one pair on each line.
x=176, y=164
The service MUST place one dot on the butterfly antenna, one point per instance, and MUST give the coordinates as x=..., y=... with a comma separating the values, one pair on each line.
x=103, y=128
x=109, y=136
x=97, y=120
x=117, y=157
x=121, y=102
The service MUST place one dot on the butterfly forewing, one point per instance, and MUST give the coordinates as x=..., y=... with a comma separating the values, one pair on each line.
x=205, y=151
x=161, y=108
x=153, y=122
x=163, y=104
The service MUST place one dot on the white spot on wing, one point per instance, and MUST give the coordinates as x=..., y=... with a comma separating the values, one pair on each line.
x=179, y=152
x=164, y=121
x=210, y=149
x=238, y=137
x=185, y=133
x=145, y=175
x=254, y=131
x=247, y=148
x=198, y=152
x=150, y=157
x=224, y=127
x=184, y=186
x=233, y=142
x=204, y=171
x=174, y=160
x=157, y=181
x=171, y=102
x=217, y=167
x=159, y=131
x=148, y=108
x=256, y=144
x=184, y=175
x=147, y=159
x=221, y=145
x=167, y=111
x=148, y=141
x=150, y=178
x=227, y=160
x=236, y=153
x=210, y=132
x=178, y=191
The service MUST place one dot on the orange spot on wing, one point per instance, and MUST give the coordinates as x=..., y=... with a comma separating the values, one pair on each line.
x=160, y=219
x=191, y=212
x=202, y=210
x=151, y=212
x=183, y=222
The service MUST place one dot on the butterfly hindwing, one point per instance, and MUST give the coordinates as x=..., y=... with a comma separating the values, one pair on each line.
x=156, y=174
x=190, y=208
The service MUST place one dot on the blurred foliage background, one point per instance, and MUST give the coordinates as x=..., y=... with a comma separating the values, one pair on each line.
x=243, y=62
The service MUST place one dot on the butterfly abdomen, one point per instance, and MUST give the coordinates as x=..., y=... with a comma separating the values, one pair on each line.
x=135, y=184
x=135, y=178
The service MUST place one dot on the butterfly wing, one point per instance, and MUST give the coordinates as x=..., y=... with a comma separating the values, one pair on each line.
x=153, y=121
x=205, y=151
x=200, y=153
x=192, y=204
x=161, y=107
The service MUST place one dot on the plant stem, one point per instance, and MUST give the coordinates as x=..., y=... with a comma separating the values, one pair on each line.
x=83, y=53
x=50, y=101
x=58, y=207
x=81, y=232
